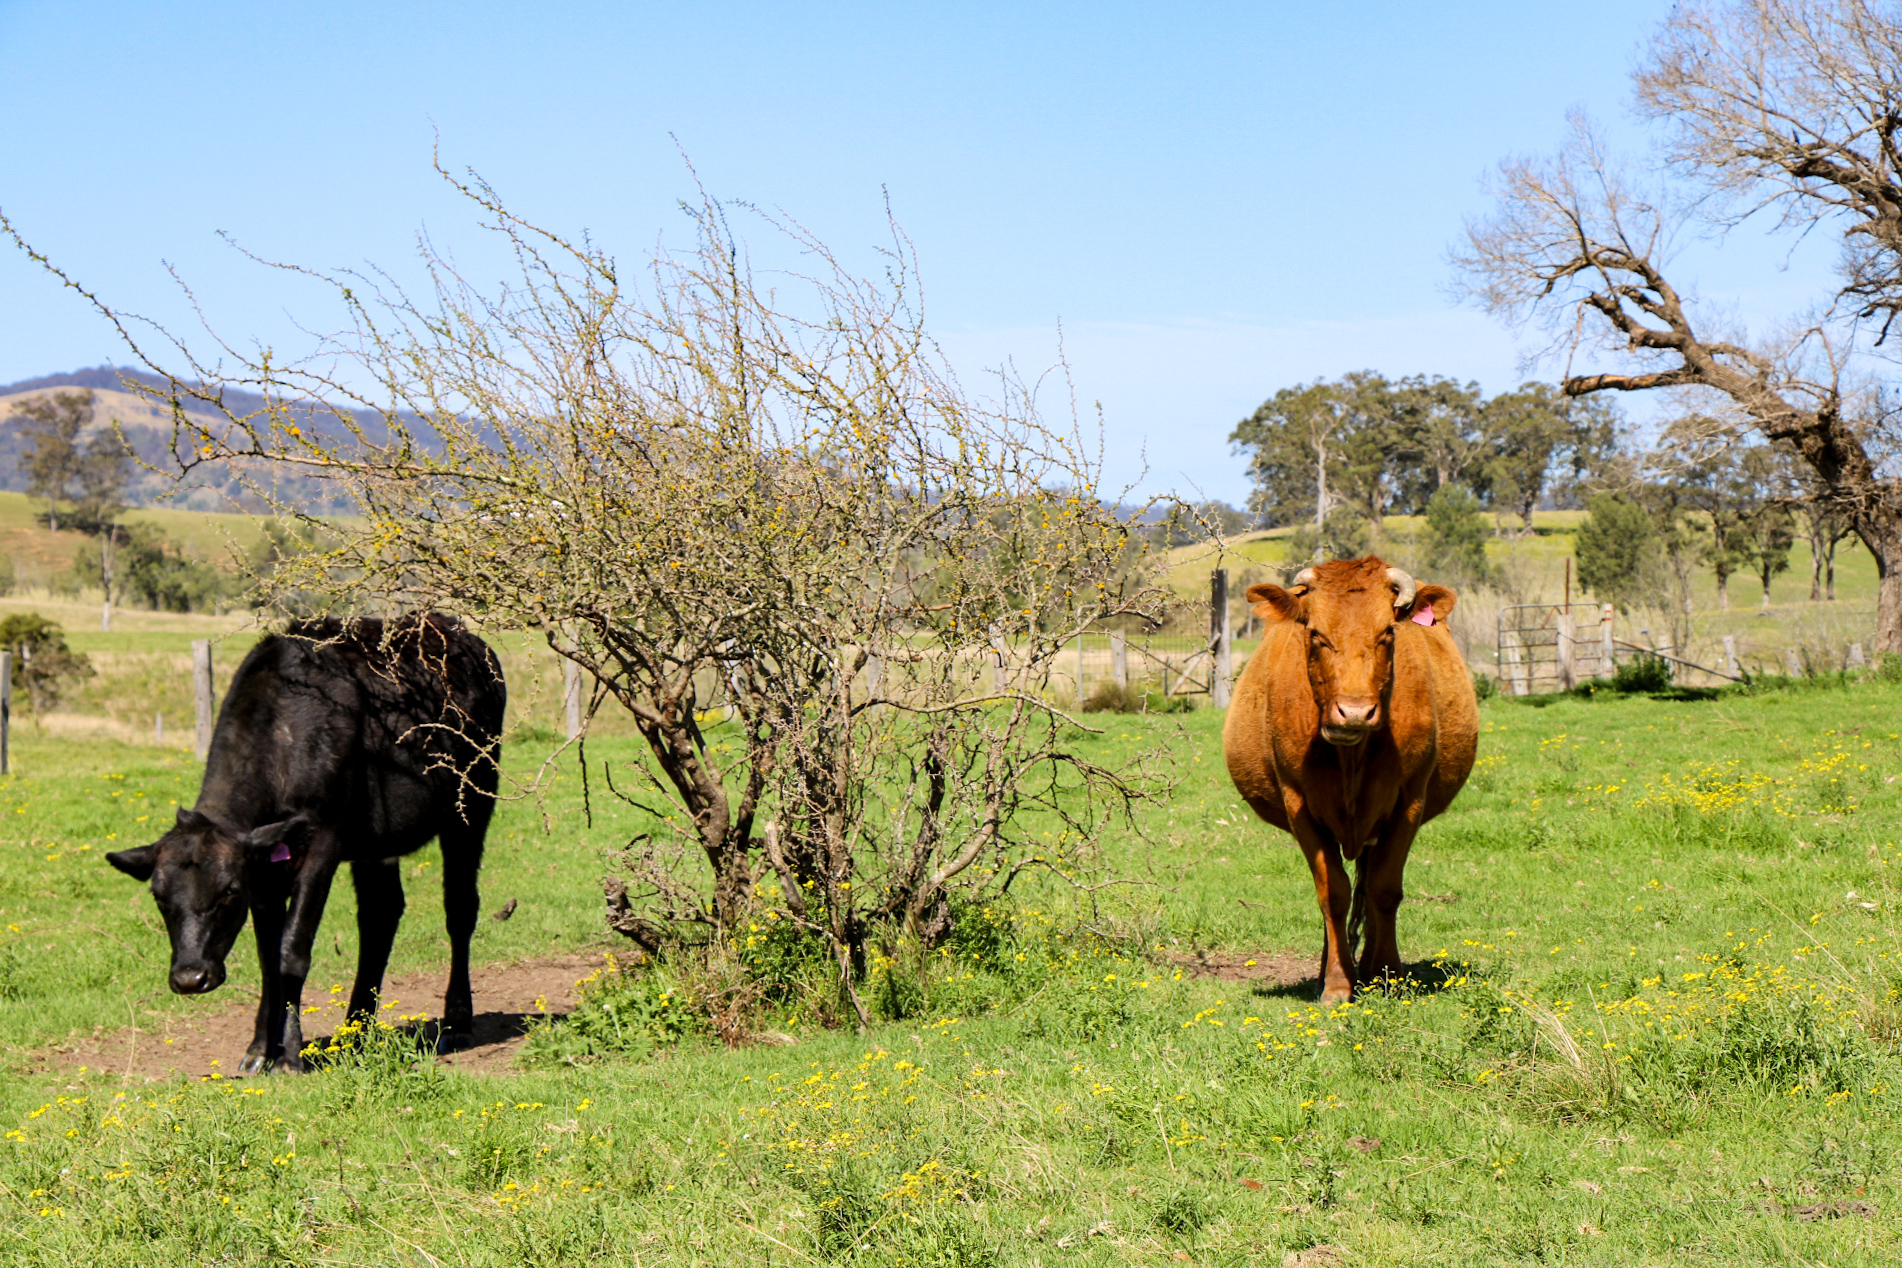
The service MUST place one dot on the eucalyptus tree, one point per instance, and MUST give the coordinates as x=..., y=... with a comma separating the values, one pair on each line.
x=1316, y=446
x=1536, y=438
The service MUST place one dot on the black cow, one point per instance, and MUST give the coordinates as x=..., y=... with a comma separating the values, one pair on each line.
x=338, y=743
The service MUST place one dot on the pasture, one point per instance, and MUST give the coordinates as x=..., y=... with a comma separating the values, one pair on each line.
x=1654, y=1018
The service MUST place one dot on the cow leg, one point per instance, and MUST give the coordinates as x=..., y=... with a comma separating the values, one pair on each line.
x=461, y=903
x=267, y=926
x=1333, y=890
x=309, y=892
x=379, y=886
x=1381, y=955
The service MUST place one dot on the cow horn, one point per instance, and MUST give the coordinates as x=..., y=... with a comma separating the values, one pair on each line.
x=1403, y=588
x=1304, y=580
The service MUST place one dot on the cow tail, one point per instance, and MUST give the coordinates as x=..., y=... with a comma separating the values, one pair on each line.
x=1357, y=909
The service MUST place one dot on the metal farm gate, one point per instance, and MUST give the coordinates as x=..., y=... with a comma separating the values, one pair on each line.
x=1553, y=646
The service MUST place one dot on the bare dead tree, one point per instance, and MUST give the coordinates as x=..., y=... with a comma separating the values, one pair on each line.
x=767, y=521
x=1572, y=241
x=1791, y=106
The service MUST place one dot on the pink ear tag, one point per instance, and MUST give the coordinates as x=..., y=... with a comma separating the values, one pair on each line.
x=1424, y=616
x=280, y=853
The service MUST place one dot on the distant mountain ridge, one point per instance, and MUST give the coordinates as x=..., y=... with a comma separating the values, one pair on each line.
x=102, y=378
x=148, y=430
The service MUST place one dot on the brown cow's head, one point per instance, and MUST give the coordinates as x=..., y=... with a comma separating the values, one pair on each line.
x=198, y=872
x=1350, y=608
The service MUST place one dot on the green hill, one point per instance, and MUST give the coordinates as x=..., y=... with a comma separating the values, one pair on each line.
x=40, y=555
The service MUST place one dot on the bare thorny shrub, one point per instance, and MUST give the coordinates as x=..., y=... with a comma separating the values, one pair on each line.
x=824, y=580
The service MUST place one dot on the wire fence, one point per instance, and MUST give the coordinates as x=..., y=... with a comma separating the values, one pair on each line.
x=1167, y=664
x=1545, y=647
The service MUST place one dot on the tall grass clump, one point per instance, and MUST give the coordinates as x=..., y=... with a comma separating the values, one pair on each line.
x=376, y=1062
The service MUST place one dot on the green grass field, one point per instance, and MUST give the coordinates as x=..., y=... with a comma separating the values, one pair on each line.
x=1654, y=1020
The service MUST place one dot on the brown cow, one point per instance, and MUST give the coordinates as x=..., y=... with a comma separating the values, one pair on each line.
x=1353, y=724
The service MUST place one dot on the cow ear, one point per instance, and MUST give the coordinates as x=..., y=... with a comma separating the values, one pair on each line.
x=271, y=835
x=1438, y=598
x=137, y=864
x=190, y=820
x=1272, y=603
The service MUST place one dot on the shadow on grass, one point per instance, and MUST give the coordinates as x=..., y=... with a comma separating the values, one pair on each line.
x=1754, y=684
x=487, y=1030
x=1600, y=693
x=1422, y=977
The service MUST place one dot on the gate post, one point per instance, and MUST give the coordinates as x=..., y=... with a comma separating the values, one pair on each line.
x=1567, y=677
x=1119, y=660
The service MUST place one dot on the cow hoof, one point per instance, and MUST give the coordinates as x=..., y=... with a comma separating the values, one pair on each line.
x=290, y=1065
x=253, y=1063
x=454, y=1036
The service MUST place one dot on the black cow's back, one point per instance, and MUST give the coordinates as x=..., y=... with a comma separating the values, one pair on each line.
x=380, y=729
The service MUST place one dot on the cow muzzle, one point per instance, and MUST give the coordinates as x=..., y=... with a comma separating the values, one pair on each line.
x=197, y=979
x=1349, y=720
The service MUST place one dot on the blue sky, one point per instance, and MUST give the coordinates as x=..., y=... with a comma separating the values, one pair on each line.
x=1216, y=201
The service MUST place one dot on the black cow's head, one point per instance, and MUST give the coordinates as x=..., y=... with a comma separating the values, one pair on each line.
x=199, y=875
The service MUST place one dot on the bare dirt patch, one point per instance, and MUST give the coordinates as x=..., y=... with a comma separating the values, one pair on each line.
x=1284, y=972
x=508, y=997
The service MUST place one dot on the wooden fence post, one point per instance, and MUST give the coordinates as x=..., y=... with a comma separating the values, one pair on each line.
x=1567, y=645
x=201, y=695
x=997, y=665
x=1119, y=659
x=1515, y=667
x=1607, y=650
x=1221, y=638
x=1730, y=656
x=1792, y=663
x=1854, y=659
x=1079, y=670
x=874, y=670
x=158, y=728
x=571, y=697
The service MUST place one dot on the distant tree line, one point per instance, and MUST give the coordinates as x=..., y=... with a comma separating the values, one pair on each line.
x=1340, y=455
x=1334, y=457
